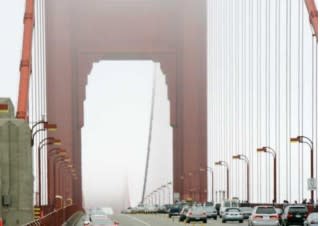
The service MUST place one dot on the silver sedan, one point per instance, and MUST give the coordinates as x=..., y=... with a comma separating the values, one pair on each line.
x=232, y=214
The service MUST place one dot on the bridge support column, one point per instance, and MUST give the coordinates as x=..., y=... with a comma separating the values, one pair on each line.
x=16, y=179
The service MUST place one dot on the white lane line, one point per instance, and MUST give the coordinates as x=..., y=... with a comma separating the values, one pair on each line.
x=136, y=219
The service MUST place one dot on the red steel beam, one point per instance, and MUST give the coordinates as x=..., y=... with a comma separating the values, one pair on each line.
x=313, y=15
x=25, y=64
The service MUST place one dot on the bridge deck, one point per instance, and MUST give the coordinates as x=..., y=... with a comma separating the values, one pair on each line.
x=159, y=220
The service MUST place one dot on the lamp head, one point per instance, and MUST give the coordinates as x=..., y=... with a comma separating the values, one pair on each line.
x=236, y=157
x=50, y=127
x=57, y=142
x=263, y=149
x=296, y=139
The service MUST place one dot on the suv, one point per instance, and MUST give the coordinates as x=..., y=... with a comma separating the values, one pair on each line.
x=264, y=215
x=294, y=215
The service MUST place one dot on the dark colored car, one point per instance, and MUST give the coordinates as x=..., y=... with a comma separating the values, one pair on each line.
x=294, y=215
x=246, y=212
x=175, y=210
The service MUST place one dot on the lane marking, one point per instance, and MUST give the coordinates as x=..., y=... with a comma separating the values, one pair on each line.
x=137, y=219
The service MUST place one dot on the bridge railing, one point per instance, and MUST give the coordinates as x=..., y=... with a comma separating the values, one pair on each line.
x=57, y=217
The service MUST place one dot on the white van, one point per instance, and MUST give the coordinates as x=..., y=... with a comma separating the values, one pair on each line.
x=228, y=203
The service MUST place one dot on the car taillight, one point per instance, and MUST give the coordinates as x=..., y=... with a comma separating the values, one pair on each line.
x=204, y=213
x=314, y=222
x=290, y=215
x=274, y=217
x=190, y=213
x=256, y=217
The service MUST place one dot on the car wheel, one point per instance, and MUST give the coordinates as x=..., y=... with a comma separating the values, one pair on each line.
x=241, y=222
x=188, y=221
x=223, y=221
x=215, y=218
x=204, y=221
x=170, y=216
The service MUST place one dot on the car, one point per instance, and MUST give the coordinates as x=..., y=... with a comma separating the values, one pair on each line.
x=294, y=215
x=232, y=214
x=100, y=220
x=211, y=212
x=127, y=211
x=140, y=208
x=162, y=209
x=246, y=212
x=228, y=203
x=183, y=213
x=196, y=213
x=151, y=209
x=264, y=215
x=312, y=220
x=86, y=223
x=174, y=210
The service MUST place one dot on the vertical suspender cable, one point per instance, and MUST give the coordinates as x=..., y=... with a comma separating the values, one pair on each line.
x=299, y=99
x=278, y=92
x=259, y=171
x=275, y=81
x=149, y=137
x=266, y=103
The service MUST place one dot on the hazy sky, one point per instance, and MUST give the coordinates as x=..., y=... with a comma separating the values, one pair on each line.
x=115, y=134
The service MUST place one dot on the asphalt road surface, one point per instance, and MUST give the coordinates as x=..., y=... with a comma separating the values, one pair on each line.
x=163, y=220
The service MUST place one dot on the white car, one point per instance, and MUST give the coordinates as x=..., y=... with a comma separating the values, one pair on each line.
x=312, y=220
x=196, y=213
x=264, y=216
x=151, y=209
x=232, y=214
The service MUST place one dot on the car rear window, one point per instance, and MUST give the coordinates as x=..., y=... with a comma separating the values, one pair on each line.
x=298, y=209
x=266, y=210
x=233, y=210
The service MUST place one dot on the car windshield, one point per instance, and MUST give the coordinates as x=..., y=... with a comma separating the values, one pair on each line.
x=210, y=208
x=197, y=208
x=246, y=209
x=266, y=210
x=102, y=222
x=298, y=209
x=227, y=203
x=233, y=210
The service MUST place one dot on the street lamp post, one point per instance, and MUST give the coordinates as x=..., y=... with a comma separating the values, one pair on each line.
x=224, y=163
x=270, y=150
x=46, y=126
x=44, y=142
x=169, y=192
x=56, y=152
x=245, y=158
x=309, y=142
x=164, y=193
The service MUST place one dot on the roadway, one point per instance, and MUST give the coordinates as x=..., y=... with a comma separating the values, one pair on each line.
x=161, y=220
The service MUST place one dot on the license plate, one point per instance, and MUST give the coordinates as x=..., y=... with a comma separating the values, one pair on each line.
x=197, y=218
x=298, y=216
x=266, y=217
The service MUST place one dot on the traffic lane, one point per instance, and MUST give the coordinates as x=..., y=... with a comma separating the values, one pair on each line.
x=163, y=220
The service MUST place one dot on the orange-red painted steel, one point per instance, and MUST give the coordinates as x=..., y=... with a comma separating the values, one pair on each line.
x=171, y=32
x=25, y=64
x=313, y=15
